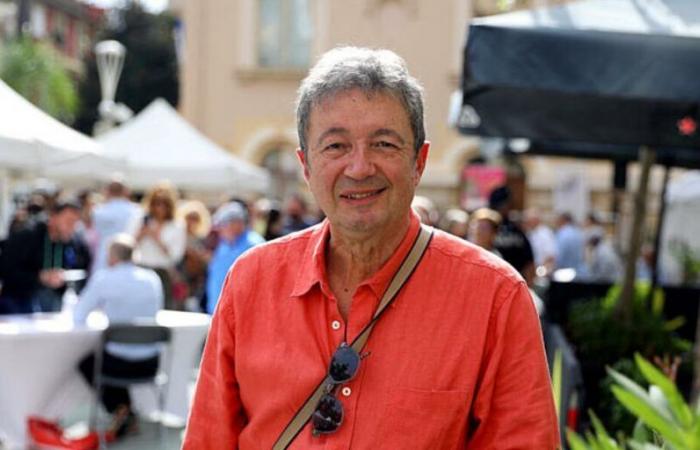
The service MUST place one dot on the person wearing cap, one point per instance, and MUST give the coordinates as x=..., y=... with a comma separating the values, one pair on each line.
x=235, y=237
x=456, y=360
x=34, y=259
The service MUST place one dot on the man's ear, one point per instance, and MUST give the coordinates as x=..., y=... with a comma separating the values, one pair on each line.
x=302, y=157
x=421, y=161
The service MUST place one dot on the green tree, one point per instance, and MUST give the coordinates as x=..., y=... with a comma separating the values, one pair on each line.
x=150, y=67
x=34, y=70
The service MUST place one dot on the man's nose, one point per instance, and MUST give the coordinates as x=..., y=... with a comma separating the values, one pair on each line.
x=360, y=164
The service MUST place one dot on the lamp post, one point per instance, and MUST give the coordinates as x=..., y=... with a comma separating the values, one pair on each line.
x=110, y=61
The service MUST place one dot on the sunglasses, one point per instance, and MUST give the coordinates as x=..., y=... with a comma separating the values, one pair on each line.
x=328, y=415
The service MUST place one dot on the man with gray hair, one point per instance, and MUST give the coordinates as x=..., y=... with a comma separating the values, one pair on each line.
x=124, y=292
x=370, y=330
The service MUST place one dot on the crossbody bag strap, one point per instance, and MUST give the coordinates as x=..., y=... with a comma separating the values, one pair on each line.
x=407, y=268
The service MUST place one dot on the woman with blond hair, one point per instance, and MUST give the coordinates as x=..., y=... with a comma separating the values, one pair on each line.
x=162, y=238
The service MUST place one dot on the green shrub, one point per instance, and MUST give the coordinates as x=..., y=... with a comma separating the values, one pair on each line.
x=664, y=419
x=601, y=338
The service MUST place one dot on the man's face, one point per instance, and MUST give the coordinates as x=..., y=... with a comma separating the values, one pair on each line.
x=361, y=165
x=64, y=223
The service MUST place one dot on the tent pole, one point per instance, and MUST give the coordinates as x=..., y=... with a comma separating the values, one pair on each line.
x=625, y=303
x=619, y=189
x=659, y=230
x=5, y=202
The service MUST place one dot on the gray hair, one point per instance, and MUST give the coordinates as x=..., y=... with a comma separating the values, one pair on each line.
x=121, y=247
x=372, y=71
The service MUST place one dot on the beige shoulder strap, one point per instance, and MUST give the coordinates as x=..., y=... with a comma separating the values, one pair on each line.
x=405, y=270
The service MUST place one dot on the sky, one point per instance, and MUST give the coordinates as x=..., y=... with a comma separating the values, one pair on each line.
x=151, y=5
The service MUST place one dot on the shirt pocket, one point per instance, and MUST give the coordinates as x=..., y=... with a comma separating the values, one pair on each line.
x=426, y=419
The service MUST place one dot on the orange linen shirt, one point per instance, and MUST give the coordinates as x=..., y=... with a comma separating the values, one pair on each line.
x=456, y=362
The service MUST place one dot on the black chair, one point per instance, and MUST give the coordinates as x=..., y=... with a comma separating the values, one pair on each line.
x=133, y=333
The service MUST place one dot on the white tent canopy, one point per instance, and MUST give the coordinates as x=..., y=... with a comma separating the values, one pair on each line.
x=35, y=143
x=159, y=144
x=32, y=143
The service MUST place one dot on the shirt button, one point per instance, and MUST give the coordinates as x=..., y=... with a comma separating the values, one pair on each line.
x=346, y=391
x=335, y=325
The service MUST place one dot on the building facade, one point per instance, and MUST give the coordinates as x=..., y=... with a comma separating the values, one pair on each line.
x=243, y=61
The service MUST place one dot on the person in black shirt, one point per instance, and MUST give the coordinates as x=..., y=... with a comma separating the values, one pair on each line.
x=34, y=259
x=511, y=242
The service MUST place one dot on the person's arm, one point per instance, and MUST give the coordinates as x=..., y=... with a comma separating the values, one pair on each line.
x=20, y=263
x=514, y=405
x=89, y=299
x=217, y=416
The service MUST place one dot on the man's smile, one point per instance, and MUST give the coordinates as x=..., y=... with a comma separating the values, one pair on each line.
x=362, y=195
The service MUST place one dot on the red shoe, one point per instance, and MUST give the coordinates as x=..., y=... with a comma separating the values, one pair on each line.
x=47, y=435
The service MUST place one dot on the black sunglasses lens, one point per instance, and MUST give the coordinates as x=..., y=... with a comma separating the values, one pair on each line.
x=344, y=364
x=328, y=415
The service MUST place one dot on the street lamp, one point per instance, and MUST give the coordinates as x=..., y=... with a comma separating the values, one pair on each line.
x=110, y=61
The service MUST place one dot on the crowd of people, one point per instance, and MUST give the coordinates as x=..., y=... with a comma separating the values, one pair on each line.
x=528, y=242
x=52, y=239
x=191, y=246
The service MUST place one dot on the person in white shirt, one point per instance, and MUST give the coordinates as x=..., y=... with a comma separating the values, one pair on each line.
x=602, y=261
x=117, y=214
x=162, y=239
x=124, y=292
x=542, y=241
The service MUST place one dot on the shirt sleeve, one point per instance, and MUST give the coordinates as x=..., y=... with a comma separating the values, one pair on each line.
x=89, y=299
x=514, y=404
x=217, y=416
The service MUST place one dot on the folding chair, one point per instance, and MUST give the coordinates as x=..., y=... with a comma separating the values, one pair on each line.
x=134, y=333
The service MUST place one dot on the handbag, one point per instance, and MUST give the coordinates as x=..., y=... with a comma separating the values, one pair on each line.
x=404, y=272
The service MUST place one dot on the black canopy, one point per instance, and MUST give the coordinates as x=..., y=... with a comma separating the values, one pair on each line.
x=621, y=72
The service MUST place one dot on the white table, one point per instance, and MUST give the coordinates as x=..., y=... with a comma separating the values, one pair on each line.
x=39, y=354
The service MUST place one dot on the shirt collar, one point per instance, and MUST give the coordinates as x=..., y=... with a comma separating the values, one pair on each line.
x=312, y=269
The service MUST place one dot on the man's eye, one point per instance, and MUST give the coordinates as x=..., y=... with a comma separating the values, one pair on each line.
x=384, y=144
x=334, y=146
